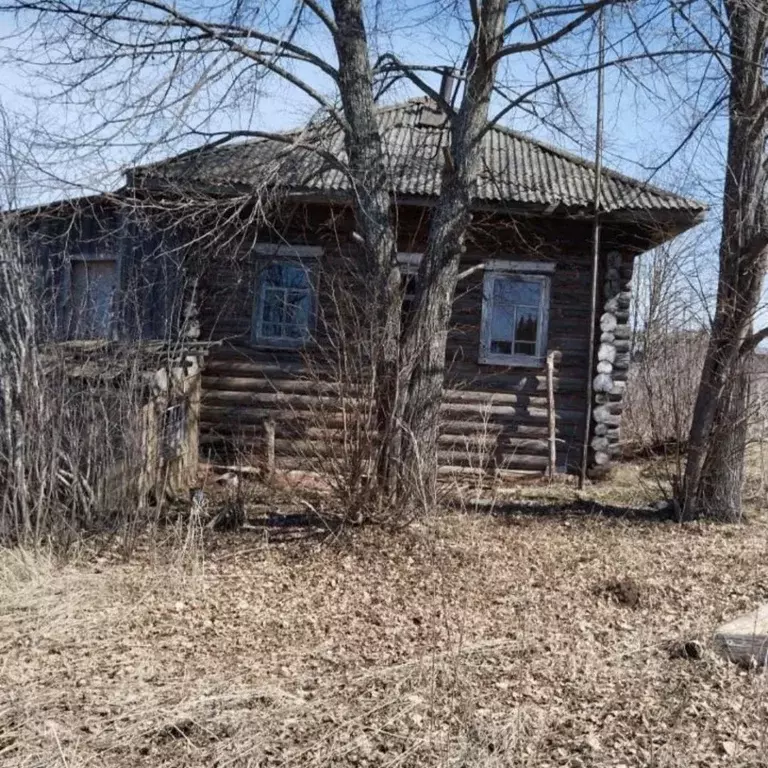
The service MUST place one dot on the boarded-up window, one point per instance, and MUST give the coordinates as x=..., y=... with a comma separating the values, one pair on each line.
x=92, y=288
x=515, y=314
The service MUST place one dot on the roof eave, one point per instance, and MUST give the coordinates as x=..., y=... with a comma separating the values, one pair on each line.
x=668, y=223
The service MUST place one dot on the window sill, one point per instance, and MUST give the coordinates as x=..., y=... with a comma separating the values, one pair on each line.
x=512, y=361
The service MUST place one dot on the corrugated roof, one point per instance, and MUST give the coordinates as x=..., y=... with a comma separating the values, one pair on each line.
x=515, y=169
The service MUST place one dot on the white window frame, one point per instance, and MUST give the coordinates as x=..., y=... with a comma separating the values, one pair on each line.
x=296, y=256
x=538, y=272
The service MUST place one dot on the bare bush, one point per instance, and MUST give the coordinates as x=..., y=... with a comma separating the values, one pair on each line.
x=661, y=391
x=82, y=443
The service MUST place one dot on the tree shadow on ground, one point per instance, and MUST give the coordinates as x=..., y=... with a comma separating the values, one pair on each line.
x=578, y=508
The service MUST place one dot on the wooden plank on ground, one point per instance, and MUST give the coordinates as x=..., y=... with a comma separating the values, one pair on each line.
x=746, y=638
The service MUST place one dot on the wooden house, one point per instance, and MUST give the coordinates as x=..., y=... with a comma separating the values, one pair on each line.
x=263, y=293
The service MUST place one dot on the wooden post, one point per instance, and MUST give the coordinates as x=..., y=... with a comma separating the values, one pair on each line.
x=269, y=447
x=596, y=233
x=551, y=415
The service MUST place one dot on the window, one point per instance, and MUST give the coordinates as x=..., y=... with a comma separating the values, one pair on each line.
x=284, y=310
x=409, y=267
x=92, y=288
x=515, y=314
x=174, y=430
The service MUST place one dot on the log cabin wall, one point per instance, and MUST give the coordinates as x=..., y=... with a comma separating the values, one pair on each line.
x=494, y=417
x=145, y=294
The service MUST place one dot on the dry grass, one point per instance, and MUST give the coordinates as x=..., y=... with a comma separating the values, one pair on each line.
x=468, y=640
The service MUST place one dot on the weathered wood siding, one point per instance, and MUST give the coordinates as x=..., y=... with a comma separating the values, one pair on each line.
x=494, y=417
x=149, y=288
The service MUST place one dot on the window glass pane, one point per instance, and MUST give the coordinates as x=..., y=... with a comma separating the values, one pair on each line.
x=520, y=291
x=501, y=347
x=271, y=275
x=527, y=325
x=503, y=315
x=514, y=322
x=271, y=330
x=297, y=310
x=273, y=310
x=286, y=303
x=525, y=348
x=285, y=275
x=92, y=287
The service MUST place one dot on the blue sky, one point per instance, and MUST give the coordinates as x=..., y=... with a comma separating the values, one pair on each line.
x=645, y=120
x=641, y=129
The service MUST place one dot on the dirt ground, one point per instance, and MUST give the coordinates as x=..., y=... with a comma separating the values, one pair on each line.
x=522, y=638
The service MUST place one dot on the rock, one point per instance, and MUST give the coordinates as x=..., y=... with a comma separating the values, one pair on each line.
x=692, y=650
x=745, y=639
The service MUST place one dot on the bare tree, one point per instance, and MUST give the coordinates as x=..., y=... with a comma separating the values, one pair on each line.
x=714, y=470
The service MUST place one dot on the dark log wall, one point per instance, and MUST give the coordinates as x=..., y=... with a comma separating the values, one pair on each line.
x=149, y=286
x=494, y=417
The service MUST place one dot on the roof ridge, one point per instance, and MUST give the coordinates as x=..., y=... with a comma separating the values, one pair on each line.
x=558, y=173
x=555, y=150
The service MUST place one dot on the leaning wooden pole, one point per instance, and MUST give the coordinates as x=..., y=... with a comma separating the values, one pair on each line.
x=551, y=415
x=595, y=244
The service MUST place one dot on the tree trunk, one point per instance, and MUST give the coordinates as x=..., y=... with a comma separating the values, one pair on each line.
x=723, y=473
x=22, y=402
x=743, y=252
x=376, y=228
x=424, y=348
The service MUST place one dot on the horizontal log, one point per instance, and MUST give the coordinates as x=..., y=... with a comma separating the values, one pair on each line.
x=603, y=398
x=603, y=415
x=622, y=332
x=570, y=370
x=468, y=448
x=268, y=384
x=604, y=430
x=622, y=360
x=507, y=461
x=290, y=400
x=244, y=415
x=619, y=386
x=565, y=430
x=521, y=412
x=303, y=398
